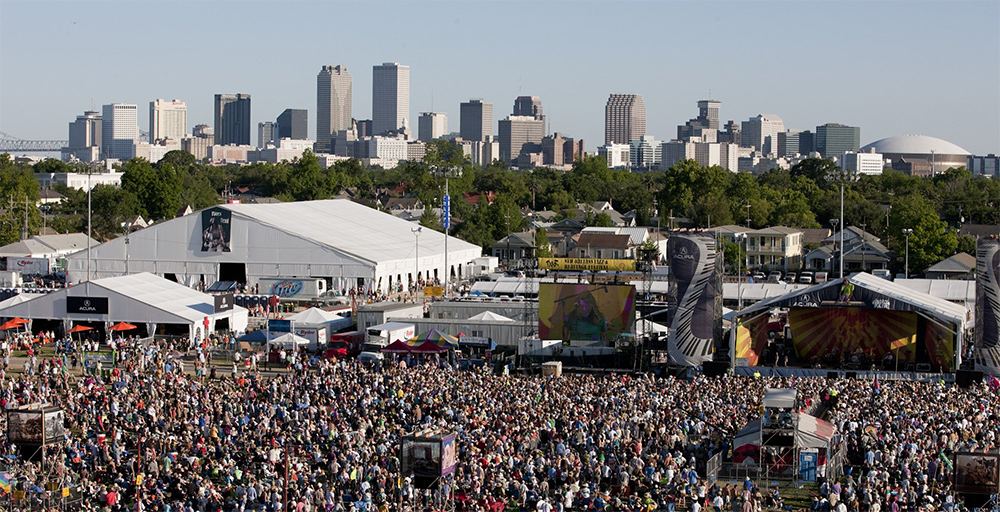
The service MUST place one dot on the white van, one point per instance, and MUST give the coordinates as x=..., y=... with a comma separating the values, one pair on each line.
x=820, y=277
x=884, y=273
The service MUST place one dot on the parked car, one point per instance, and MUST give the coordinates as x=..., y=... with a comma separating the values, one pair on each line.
x=791, y=277
x=759, y=277
x=774, y=276
x=806, y=278
x=883, y=273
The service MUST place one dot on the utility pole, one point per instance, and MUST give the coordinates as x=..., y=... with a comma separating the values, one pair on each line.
x=447, y=172
x=906, y=261
x=90, y=231
x=748, y=214
x=843, y=226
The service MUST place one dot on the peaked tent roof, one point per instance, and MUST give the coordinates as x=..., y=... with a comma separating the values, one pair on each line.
x=315, y=316
x=869, y=289
x=489, y=315
x=356, y=227
x=288, y=340
x=149, y=297
x=17, y=299
x=812, y=432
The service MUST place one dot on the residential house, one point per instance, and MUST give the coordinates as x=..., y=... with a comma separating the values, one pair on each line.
x=959, y=266
x=863, y=251
x=978, y=231
x=604, y=245
x=774, y=248
x=514, y=246
x=394, y=204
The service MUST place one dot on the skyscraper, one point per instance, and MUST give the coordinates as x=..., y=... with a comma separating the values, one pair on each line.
x=761, y=133
x=432, y=125
x=708, y=113
x=232, y=119
x=833, y=140
x=390, y=98
x=266, y=133
x=624, y=118
x=476, y=120
x=167, y=120
x=520, y=134
x=85, y=132
x=528, y=106
x=333, y=105
x=293, y=123
x=120, y=130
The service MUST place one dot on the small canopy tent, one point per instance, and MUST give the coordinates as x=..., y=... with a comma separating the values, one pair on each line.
x=317, y=317
x=397, y=347
x=434, y=336
x=258, y=336
x=288, y=341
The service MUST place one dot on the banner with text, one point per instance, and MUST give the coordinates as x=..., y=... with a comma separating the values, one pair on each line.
x=595, y=264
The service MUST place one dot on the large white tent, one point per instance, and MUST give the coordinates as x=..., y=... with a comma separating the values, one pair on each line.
x=347, y=243
x=136, y=299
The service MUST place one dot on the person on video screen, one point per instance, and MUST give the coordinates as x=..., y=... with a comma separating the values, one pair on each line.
x=584, y=321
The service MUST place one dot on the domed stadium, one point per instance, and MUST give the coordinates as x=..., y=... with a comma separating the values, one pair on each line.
x=919, y=155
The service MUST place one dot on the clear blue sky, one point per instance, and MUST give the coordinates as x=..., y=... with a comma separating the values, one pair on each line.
x=891, y=67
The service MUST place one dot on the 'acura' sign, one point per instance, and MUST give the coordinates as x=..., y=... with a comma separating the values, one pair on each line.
x=87, y=305
x=223, y=302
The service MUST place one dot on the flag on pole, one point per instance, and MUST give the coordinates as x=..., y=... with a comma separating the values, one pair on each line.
x=876, y=385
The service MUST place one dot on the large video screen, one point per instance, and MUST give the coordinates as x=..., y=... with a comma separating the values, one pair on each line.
x=827, y=332
x=977, y=473
x=585, y=312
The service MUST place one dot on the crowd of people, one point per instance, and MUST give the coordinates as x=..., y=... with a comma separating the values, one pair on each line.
x=157, y=437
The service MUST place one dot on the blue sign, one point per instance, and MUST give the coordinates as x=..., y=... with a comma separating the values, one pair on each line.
x=287, y=288
x=279, y=325
x=447, y=211
x=807, y=466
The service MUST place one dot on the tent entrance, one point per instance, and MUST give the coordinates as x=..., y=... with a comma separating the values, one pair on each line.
x=236, y=272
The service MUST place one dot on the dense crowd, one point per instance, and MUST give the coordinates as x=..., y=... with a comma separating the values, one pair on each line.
x=155, y=437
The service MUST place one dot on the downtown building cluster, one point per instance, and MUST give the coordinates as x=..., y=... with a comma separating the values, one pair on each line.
x=520, y=139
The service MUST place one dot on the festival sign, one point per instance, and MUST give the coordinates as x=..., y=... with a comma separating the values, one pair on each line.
x=216, y=230
x=592, y=264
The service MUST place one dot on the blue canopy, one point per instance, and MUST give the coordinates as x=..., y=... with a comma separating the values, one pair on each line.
x=258, y=336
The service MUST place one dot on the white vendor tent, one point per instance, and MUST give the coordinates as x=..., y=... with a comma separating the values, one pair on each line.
x=317, y=316
x=348, y=244
x=288, y=341
x=139, y=299
x=17, y=299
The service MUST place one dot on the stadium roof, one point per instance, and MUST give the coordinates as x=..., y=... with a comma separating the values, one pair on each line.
x=914, y=145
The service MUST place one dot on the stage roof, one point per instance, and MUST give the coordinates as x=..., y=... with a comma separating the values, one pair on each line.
x=870, y=292
x=780, y=398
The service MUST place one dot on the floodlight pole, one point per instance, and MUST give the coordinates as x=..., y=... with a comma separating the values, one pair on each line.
x=843, y=225
x=416, y=259
x=906, y=262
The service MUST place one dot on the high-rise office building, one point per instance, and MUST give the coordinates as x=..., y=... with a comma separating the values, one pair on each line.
x=476, y=120
x=293, y=123
x=520, y=134
x=333, y=105
x=788, y=142
x=432, y=125
x=703, y=128
x=833, y=140
x=119, y=130
x=232, y=119
x=761, y=133
x=390, y=98
x=624, y=118
x=266, y=133
x=84, y=138
x=528, y=106
x=559, y=150
x=167, y=120
x=645, y=153
x=85, y=132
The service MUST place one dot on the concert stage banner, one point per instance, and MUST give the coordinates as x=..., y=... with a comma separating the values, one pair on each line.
x=751, y=339
x=988, y=305
x=817, y=333
x=696, y=296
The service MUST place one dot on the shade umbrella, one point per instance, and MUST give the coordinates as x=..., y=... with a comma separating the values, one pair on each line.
x=435, y=336
x=122, y=326
x=80, y=328
x=10, y=324
x=20, y=320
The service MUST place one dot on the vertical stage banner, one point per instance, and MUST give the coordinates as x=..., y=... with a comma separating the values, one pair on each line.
x=696, y=296
x=988, y=306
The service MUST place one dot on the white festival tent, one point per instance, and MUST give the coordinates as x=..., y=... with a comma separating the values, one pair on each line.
x=348, y=244
x=136, y=299
x=288, y=341
x=489, y=315
x=316, y=317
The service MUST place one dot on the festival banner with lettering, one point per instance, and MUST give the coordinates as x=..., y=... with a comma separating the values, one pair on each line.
x=818, y=333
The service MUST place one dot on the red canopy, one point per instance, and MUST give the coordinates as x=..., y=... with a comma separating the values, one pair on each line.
x=80, y=328
x=19, y=320
x=122, y=326
x=10, y=324
x=397, y=347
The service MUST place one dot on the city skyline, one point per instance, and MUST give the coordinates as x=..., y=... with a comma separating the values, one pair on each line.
x=853, y=71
